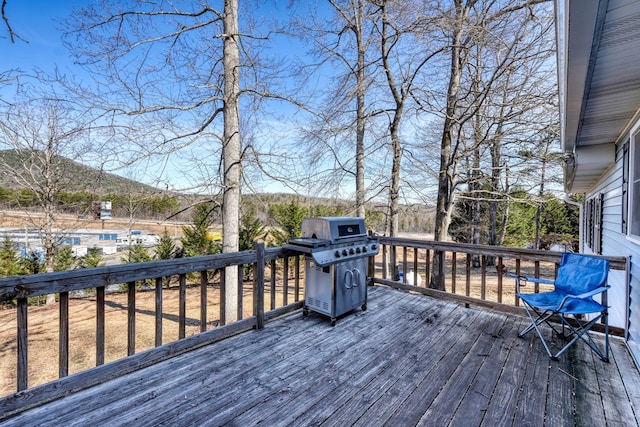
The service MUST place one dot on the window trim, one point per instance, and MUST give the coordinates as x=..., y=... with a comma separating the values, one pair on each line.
x=634, y=144
x=593, y=218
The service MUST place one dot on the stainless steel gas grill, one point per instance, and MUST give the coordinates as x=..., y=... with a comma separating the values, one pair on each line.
x=336, y=251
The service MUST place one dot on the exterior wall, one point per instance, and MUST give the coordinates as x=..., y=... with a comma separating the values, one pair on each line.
x=616, y=243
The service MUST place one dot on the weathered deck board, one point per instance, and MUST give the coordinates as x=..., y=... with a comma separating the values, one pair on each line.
x=407, y=360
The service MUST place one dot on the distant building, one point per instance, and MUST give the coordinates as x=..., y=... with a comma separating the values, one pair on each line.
x=108, y=241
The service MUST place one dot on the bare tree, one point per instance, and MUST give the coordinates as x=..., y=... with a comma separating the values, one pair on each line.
x=175, y=73
x=470, y=21
x=5, y=18
x=341, y=40
x=43, y=138
x=402, y=67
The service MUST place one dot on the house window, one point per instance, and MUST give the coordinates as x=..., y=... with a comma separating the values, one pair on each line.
x=634, y=183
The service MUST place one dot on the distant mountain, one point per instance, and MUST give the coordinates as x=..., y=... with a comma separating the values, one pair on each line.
x=18, y=166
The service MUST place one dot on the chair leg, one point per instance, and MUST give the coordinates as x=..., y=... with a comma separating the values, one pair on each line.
x=541, y=318
x=582, y=332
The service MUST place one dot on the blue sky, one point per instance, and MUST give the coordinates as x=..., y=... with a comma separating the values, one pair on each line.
x=35, y=22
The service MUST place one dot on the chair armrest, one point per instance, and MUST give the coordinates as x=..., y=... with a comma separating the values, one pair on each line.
x=583, y=296
x=522, y=280
x=592, y=293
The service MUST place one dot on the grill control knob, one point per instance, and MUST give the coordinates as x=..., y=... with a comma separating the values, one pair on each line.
x=337, y=254
x=351, y=251
x=358, y=250
x=364, y=249
x=344, y=252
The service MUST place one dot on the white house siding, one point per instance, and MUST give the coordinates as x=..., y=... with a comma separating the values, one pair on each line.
x=616, y=243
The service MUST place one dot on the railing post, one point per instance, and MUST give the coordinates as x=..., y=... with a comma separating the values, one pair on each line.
x=258, y=285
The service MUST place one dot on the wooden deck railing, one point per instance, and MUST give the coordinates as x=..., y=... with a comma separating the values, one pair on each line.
x=267, y=278
x=274, y=286
x=476, y=273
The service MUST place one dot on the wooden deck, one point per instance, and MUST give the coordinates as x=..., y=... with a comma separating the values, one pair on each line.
x=408, y=360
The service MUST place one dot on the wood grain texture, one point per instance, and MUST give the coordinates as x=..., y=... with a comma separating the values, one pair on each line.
x=409, y=359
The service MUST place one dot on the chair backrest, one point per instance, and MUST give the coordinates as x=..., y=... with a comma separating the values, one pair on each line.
x=580, y=273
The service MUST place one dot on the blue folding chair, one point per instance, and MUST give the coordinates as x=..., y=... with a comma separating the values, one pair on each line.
x=579, y=279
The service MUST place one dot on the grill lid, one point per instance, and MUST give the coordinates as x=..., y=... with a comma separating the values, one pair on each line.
x=330, y=240
x=334, y=229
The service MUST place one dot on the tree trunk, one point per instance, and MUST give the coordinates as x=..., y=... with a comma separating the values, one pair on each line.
x=360, y=113
x=394, y=127
x=231, y=154
x=474, y=188
x=443, y=202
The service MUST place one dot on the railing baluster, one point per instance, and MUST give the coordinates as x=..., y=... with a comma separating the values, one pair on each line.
x=63, y=331
x=258, y=285
x=274, y=278
x=393, y=254
x=23, y=359
x=385, y=265
x=468, y=275
x=296, y=297
x=404, y=264
x=517, y=300
x=427, y=269
x=499, y=270
x=483, y=277
x=442, y=258
x=285, y=282
x=158, y=301
x=454, y=265
x=415, y=266
x=182, y=315
x=204, y=281
x=131, y=318
x=223, y=300
x=100, y=325
x=240, y=293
